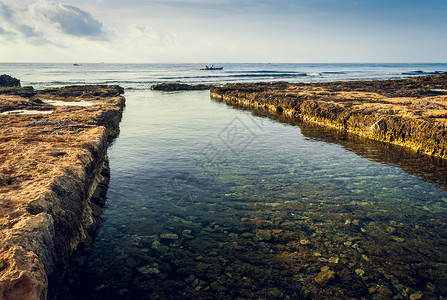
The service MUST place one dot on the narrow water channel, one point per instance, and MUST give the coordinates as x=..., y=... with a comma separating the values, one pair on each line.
x=207, y=201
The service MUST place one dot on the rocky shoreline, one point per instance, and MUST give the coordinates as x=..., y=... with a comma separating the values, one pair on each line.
x=53, y=159
x=410, y=112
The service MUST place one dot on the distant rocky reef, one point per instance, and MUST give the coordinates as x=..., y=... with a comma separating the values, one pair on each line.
x=172, y=87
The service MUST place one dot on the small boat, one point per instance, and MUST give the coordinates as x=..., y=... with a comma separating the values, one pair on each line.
x=212, y=67
x=77, y=65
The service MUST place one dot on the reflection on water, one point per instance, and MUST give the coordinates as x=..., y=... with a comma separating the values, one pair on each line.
x=206, y=201
x=430, y=169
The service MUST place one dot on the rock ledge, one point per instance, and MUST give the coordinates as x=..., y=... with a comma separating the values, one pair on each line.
x=410, y=113
x=52, y=157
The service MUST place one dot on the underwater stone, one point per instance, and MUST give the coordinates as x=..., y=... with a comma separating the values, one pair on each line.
x=264, y=235
x=190, y=278
x=385, y=291
x=334, y=260
x=149, y=270
x=390, y=229
x=169, y=236
x=360, y=272
x=304, y=242
x=431, y=287
x=186, y=232
x=155, y=245
x=324, y=276
x=416, y=296
x=275, y=292
x=216, y=286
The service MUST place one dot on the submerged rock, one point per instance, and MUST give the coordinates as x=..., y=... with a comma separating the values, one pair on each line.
x=324, y=276
x=169, y=236
x=264, y=235
x=149, y=270
x=416, y=296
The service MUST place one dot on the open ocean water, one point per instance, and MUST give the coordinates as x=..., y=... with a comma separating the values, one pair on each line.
x=141, y=76
x=207, y=201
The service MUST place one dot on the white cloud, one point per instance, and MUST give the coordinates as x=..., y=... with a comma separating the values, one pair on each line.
x=69, y=19
x=213, y=30
x=47, y=23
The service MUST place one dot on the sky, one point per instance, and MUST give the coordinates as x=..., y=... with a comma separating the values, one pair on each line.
x=177, y=31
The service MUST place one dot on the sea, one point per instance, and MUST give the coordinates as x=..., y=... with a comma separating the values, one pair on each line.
x=210, y=201
x=142, y=76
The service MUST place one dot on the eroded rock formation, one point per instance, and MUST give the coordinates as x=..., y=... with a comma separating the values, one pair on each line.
x=52, y=153
x=410, y=113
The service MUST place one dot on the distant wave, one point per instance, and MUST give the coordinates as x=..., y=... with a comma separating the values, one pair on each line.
x=265, y=72
x=252, y=75
x=86, y=82
x=419, y=72
x=333, y=73
x=272, y=74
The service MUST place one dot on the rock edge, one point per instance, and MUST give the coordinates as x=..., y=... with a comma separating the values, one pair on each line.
x=50, y=165
x=410, y=112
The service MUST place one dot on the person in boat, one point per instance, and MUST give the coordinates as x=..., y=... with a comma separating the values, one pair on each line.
x=206, y=67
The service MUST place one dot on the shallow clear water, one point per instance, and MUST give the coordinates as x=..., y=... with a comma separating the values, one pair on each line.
x=207, y=201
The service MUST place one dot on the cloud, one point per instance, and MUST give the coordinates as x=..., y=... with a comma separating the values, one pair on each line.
x=5, y=12
x=48, y=23
x=70, y=19
x=13, y=24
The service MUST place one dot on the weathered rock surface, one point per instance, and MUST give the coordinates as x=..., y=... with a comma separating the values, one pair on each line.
x=50, y=165
x=409, y=112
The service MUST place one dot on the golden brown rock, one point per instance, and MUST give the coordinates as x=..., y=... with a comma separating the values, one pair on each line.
x=411, y=112
x=49, y=167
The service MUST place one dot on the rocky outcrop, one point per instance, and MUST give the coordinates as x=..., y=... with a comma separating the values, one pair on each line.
x=51, y=162
x=410, y=113
x=175, y=86
x=9, y=81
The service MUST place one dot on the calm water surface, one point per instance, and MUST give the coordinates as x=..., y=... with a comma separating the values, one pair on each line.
x=208, y=201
